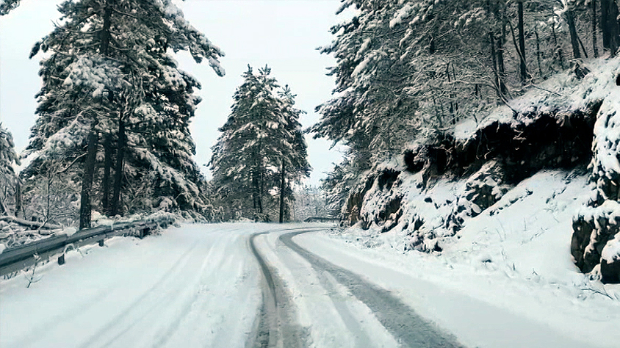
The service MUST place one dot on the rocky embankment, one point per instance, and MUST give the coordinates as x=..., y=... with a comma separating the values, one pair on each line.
x=571, y=124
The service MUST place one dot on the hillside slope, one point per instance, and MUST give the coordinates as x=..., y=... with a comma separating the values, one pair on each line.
x=531, y=189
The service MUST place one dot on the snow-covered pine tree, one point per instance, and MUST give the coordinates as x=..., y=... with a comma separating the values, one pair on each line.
x=8, y=179
x=294, y=152
x=238, y=156
x=7, y=5
x=409, y=70
x=261, y=135
x=110, y=73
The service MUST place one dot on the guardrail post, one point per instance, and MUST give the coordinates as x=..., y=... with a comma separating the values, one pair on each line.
x=61, y=259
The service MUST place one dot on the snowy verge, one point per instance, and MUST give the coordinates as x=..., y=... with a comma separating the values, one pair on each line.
x=514, y=256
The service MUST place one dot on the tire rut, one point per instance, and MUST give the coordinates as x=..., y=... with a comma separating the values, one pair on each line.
x=276, y=325
x=114, y=323
x=408, y=328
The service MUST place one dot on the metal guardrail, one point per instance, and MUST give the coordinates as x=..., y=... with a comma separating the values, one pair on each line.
x=321, y=219
x=15, y=259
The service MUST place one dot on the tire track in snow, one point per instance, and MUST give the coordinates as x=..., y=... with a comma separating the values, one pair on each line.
x=276, y=325
x=362, y=339
x=338, y=318
x=181, y=261
x=189, y=301
x=399, y=319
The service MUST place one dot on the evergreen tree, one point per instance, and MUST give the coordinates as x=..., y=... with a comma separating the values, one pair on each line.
x=8, y=179
x=408, y=70
x=7, y=5
x=261, y=149
x=110, y=78
x=294, y=157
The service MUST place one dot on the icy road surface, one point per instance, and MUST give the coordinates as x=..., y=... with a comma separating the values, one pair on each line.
x=245, y=285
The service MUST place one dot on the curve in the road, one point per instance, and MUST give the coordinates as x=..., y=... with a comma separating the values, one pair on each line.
x=399, y=319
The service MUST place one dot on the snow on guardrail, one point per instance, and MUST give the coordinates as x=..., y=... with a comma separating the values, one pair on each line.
x=16, y=258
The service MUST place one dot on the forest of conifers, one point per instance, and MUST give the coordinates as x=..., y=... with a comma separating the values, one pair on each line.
x=112, y=129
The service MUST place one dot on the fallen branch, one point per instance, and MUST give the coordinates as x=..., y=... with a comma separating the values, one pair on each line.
x=599, y=292
x=31, y=224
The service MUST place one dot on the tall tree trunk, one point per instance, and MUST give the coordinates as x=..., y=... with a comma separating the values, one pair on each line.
x=456, y=103
x=613, y=27
x=494, y=65
x=594, y=36
x=19, y=209
x=118, y=172
x=105, y=31
x=583, y=48
x=254, y=190
x=452, y=110
x=521, y=26
x=91, y=152
x=3, y=209
x=500, y=58
x=494, y=56
x=282, y=187
x=538, y=54
x=558, y=49
x=260, y=188
x=107, y=166
x=574, y=41
x=605, y=5
x=87, y=178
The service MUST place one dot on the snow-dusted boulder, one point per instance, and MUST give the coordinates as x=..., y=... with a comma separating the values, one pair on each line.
x=610, y=261
x=382, y=206
x=482, y=190
x=599, y=223
x=593, y=227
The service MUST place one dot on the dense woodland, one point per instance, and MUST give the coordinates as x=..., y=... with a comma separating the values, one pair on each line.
x=112, y=130
x=113, y=114
x=408, y=71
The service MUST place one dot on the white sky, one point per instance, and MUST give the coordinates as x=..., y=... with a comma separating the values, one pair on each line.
x=281, y=33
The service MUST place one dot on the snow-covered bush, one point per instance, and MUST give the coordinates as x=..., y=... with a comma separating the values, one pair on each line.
x=52, y=195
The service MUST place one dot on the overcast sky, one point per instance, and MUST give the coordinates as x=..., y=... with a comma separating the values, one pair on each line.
x=281, y=33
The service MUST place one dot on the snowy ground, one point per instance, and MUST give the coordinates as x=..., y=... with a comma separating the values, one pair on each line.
x=202, y=285
x=514, y=259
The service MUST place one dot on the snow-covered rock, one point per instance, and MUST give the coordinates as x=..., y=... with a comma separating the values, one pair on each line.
x=598, y=224
x=610, y=261
x=482, y=190
x=446, y=181
x=593, y=227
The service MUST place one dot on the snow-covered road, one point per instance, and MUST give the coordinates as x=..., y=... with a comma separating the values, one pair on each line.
x=310, y=301
x=246, y=285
